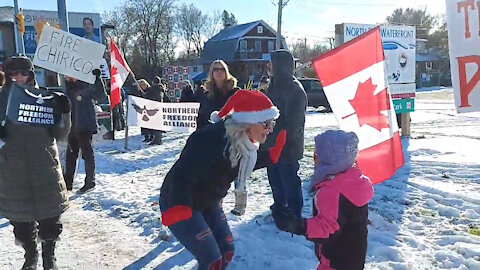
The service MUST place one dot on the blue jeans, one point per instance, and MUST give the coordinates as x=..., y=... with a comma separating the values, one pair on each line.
x=286, y=186
x=207, y=236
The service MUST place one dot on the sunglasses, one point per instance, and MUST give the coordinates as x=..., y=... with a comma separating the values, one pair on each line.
x=269, y=124
x=218, y=69
x=20, y=72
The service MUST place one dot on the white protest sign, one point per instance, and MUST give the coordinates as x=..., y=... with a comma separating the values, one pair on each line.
x=398, y=46
x=104, y=69
x=68, y=54
x=463, y=39
x=179, y=117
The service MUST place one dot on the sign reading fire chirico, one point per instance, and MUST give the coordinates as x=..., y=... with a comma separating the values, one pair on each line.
x=180, y=117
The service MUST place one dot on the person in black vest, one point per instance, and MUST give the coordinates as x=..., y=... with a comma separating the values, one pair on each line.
x=288, y=95
x=84, y=125
x=32, y=190
x=191, y=192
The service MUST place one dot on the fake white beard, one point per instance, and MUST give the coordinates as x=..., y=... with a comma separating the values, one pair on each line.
x=247, y=161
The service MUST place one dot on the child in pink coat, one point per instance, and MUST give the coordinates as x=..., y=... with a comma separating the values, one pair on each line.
x=340, y=211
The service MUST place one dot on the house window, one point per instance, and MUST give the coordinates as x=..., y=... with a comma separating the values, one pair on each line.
x=243, y=45
x=260, y=29
x=271, y=45
x=195, y=68
x=258, y=46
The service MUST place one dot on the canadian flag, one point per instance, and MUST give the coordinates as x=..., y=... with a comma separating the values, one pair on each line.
x=353, y=79
x=119, y=71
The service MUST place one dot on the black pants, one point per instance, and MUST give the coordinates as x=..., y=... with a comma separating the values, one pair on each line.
x=152, y=135
x=47, y=229
x=77, y=141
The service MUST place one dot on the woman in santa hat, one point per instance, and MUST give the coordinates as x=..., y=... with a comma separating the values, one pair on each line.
x=211, y=159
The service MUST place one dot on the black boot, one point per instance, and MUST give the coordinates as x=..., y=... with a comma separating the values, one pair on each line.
x=48, y=255
x=31, y=255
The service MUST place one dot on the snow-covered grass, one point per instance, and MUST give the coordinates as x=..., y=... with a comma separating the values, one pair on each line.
x=420, y=218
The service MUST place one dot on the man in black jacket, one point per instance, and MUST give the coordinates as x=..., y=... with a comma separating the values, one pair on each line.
x=84, y=125
x=288, y=95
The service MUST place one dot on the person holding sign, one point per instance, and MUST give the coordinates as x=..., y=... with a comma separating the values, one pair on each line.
x=32, y=190
x=191, y=193
x=84, y=125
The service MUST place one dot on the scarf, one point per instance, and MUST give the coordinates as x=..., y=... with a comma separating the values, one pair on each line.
x=248, y=151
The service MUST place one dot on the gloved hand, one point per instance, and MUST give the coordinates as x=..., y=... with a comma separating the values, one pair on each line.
x=63, y=102
x=276, y=150
x=96, y=72
x=286, y=221
x=3, y=132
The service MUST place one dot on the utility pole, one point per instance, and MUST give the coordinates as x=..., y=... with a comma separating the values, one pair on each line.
x=19, y=46
x=281, y=5
x=62, y=15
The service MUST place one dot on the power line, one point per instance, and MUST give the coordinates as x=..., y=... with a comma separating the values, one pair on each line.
x=344, y=3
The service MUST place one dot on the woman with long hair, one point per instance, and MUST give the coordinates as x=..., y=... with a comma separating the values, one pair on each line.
x=212, y=158
x=220, y=86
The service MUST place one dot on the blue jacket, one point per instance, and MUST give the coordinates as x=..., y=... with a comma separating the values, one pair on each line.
x=83, y=96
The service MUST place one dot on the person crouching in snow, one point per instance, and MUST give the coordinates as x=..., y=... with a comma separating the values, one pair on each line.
x=340, y=212
x=211, y=159
x=33, y=194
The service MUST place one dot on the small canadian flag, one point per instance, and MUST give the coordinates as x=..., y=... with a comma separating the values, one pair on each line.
x=119, y=71
x=353, y=79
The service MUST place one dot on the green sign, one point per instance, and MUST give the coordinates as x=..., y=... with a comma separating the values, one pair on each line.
x=404, y=105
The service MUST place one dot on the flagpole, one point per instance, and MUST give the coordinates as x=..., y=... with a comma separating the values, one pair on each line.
x=126, y=124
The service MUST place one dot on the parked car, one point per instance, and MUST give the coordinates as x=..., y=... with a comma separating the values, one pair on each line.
x=315, y=95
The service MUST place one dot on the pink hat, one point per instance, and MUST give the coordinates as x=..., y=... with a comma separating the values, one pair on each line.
x=246, y=106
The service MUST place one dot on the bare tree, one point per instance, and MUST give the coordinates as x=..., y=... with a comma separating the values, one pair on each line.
x=191, y=26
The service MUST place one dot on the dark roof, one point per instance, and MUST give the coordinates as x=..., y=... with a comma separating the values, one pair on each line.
x=233, y=32
x=427, y=57
x=224, y=50
x=224, y=44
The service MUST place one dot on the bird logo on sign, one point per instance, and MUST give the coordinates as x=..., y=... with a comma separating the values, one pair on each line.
x=40, y=99
x=145, y=112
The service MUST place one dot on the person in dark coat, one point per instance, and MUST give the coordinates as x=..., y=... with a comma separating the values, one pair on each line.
x=84, y=124
x=187, y=92
x=220, y=86
x=200, y=93
x=156, y=92
x=288, y=95
x=32, y=190
x=191, y=192
x=340, y=215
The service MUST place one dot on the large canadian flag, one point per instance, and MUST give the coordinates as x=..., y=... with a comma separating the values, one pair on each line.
x=353, y=79
x=119, y=71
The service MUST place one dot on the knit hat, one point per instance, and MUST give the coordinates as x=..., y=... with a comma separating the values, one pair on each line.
x=336, y=152
x=246, y=106
x=17, y=63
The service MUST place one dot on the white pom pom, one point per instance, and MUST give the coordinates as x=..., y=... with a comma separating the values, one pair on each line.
x=214, y=117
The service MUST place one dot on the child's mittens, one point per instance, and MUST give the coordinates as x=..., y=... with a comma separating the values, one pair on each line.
x=286, y=221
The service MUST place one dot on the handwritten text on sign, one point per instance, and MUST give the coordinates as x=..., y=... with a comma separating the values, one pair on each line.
x=68, y=54
x=463, y=21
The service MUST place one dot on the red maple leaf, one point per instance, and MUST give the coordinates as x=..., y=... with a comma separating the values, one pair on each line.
x=368, y=107
x=113, y=72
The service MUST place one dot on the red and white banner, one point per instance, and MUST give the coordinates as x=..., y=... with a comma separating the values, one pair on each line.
x=463, y=23
x=353, y=79
x=119, y=71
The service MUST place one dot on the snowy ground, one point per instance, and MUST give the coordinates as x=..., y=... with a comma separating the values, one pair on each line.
x=420, y=219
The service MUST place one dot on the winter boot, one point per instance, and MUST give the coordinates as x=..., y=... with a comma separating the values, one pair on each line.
x=88, y=186
x=240, y=202
x=48, y=255
x=31, y=255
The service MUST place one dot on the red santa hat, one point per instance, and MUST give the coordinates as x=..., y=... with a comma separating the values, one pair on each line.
x=246, y=106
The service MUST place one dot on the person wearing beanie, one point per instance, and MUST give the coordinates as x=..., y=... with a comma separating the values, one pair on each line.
x=340, y=215
x=192, y=189
x=288, y=95
x=32, y=189
x=84, y=124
